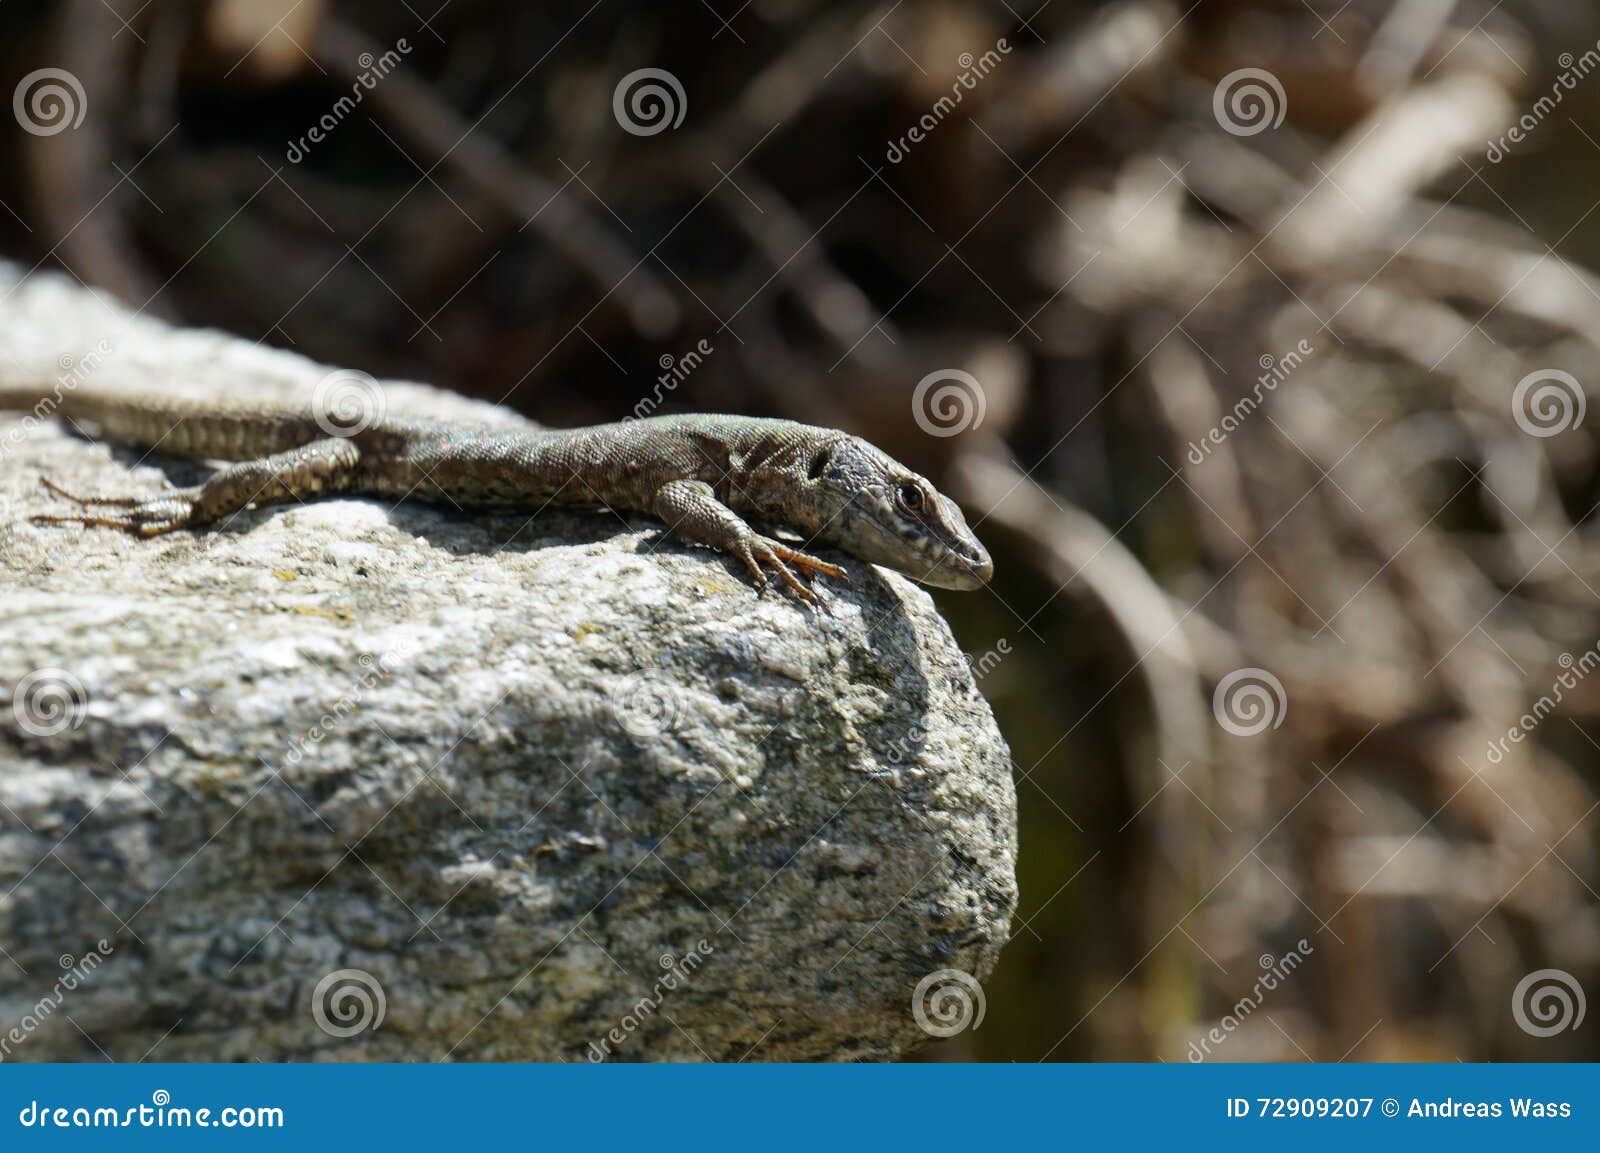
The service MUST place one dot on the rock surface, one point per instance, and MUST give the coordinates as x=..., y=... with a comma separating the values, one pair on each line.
x=351, y=782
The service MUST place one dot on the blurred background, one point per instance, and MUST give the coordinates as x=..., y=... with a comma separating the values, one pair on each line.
x=1256, y=336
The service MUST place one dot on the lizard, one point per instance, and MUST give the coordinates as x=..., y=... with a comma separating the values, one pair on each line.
x=700, y=474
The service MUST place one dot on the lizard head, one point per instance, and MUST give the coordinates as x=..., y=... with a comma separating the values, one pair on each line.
x=877, y=509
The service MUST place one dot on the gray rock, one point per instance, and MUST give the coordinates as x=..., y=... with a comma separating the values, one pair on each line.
x=528, y=788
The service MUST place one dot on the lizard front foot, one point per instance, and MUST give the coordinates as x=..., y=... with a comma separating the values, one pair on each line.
x=756, y=550
x=693, y=512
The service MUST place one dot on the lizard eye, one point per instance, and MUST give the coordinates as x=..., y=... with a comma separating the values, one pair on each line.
x=911, y=498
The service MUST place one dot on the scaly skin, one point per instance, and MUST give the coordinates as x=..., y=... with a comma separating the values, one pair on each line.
x=702, y=475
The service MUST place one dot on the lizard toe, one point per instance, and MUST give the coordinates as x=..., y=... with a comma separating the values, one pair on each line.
x=810, y=564
x=770, y=553
x=143, y=518
x=744, y=552
x=78, y=499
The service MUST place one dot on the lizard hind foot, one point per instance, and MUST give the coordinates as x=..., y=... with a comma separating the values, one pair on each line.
x=127, y=524
x=141, y=516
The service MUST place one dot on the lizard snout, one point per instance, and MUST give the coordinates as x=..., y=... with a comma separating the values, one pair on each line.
x=956, y=571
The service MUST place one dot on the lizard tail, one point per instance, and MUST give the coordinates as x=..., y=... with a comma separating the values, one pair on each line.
x=16, y=398
x=171, y=425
